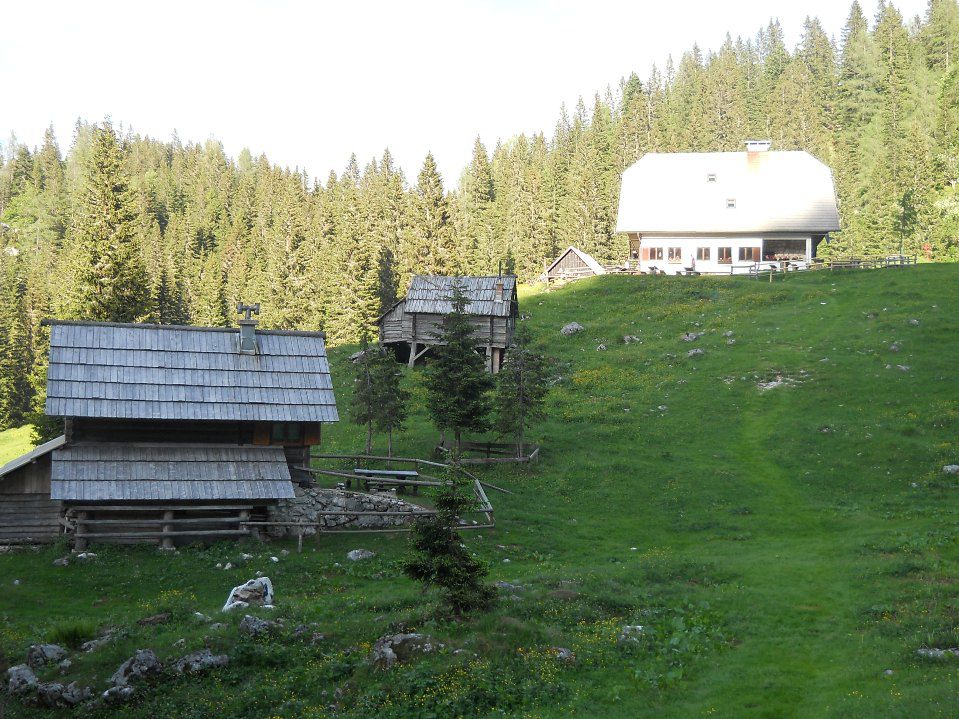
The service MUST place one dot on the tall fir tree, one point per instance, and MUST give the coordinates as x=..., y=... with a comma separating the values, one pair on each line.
x=109, y=277
x=456, y=380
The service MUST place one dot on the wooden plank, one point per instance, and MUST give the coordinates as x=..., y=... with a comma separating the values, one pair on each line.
x=176, y=520
x=159, y=507
x=159, y=534
x=387, y=472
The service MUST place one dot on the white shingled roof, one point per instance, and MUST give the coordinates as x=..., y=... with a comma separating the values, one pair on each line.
x=772, y=191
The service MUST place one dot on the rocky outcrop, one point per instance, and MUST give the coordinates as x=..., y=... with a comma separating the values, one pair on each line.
x=309, y=504
x=200, y=661
x=57, y=695
x=21, y=679
x=142, y=664
x=257, y=592
x=40, y=654
x=256, y=627
x=395, y=648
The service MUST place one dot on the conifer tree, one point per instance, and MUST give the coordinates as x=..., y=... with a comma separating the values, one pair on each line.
x=392, y=398
x=429, y=242
x=521, y=388
x=364, y=403
x=456, y=380
x=15, y=345
x=437, y=556
x=109, y=277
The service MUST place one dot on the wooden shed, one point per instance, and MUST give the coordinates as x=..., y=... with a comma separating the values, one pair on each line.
x=573, y=264
x=175, y=433
x=27, y=513
x=412, y=324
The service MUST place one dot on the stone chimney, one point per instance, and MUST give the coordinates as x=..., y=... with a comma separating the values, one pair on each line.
x=248, y=344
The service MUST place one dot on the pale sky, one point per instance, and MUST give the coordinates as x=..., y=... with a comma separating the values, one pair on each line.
x=308, y=82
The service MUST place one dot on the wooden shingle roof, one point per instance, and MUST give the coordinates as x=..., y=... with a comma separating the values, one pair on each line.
x=33, y=455
x=170, y=372
x=430, y=294
x=143, y=472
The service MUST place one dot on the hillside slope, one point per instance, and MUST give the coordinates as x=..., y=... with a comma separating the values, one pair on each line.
x=782, y=547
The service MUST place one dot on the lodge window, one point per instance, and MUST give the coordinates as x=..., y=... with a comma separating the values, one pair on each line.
x=749, y=254
x=711, y=177
x=675, y=254
x=731, y=203
x=286, y=432
x=655, y=253
x=702, y=253
x=724, y=255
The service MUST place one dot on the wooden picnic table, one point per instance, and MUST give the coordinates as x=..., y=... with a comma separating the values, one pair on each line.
x=377, y=479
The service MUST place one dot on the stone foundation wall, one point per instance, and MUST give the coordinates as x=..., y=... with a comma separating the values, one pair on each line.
x=309, y=503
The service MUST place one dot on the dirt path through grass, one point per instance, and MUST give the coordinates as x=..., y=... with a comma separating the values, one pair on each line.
x=795, y=599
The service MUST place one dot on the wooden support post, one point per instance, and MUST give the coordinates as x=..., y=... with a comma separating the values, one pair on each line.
x=166, y=542
x=245, y=517
x=489, y=358
x=299, y=540
x=412, y=352
x=81, y=543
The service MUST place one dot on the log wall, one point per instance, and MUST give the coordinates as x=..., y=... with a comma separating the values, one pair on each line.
x=27, y=514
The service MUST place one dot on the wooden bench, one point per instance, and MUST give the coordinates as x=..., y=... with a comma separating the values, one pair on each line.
x=376, y=480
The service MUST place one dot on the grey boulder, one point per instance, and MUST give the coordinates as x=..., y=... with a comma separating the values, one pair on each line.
x=55, y=694
x=21, y=679
x=357, y=555
x=395, y=648
x=572, y=328
x=142, y=664
x=40, y=654
x=200, y=661
x=256, y=627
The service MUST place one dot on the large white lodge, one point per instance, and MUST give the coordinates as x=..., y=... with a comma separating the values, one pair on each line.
x=726, y=212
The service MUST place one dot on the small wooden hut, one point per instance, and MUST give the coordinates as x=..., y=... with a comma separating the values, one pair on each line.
x=573, y=264
x=411, y=326
x=27, y=514
x=172, y=432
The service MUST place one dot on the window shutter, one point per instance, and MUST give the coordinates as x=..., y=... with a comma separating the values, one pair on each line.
x=755, y=254
x=645, y=254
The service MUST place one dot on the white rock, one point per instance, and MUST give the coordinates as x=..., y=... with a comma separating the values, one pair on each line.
x=951, y=469
x=571, y=328
x=274, y=559
x=229, y=565
x=356, y=555
x=257, y=591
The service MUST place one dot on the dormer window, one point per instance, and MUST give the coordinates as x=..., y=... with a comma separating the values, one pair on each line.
x=711, y=177
x=731, y=203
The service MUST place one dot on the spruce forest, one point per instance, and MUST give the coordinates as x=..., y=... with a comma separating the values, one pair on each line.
x=122, y=227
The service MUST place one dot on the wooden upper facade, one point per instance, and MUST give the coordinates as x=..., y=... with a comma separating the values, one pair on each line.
x=412, y=324
x=573, y=264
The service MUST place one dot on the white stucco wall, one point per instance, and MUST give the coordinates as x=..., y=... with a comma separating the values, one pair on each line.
x=689, y=245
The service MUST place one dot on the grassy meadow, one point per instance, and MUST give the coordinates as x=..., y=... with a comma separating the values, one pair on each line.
x=14, y=442
x=786, y=550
